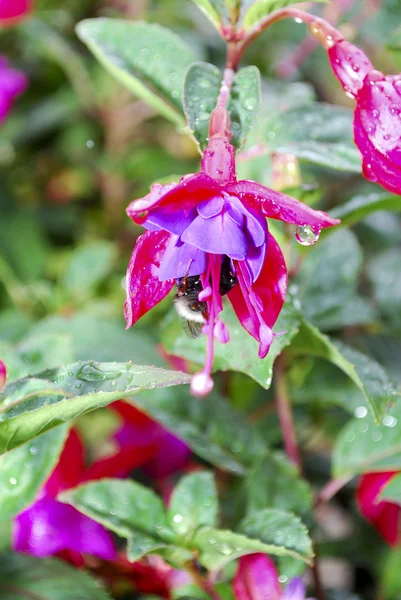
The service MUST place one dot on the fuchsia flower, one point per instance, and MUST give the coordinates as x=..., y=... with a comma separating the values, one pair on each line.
x=205, y=220
x=384, y=515
x=377, y=119
x=3, y=375
x=12, y=84
x=12, y=11
x=167, y=453
x=50, y=527
x=257, y=579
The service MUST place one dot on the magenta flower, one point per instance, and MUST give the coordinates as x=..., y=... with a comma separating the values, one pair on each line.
x=12, y=11
x=50, y=527
x=3, y=375
x=166, y=453
x=377, y=119
x=384, y=515
x=212, y=226
x=257, y=579
x=12, y=84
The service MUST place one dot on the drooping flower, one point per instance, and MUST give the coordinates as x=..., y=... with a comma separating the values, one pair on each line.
x=12, y=11
x=377, y=118
x=384, y=515
x=212, y=226
x=257, y=579
x=50, y=527
x=12, y=84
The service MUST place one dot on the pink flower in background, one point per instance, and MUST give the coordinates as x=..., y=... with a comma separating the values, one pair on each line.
x=12, y=84
x=50, y=527
x=384, y=515
x=213, y=228
x=3, y=375
x=12, y=11
x=167, y=453
x=257, y=579
x=377, y=119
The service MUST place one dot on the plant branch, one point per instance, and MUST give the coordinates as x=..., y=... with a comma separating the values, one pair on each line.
x=285, y=415
x=330, y=490
x=326, y=33
x=205, y=584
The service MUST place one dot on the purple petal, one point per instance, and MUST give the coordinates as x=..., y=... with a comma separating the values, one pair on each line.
x=211, y=208
x=276, y=205
x=178, y=257
x=256, y=579
x=294, y=590
x=172, y=456
x=49, y=526
x=255, y=260
x=217, y=235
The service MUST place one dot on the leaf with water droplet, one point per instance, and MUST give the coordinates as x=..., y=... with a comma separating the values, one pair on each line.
x=258, y=9
x=24, y=576
x=196, y=505
x=118, y=44
x=32, y=405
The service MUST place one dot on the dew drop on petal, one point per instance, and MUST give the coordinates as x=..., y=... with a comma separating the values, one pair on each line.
x=306, y=235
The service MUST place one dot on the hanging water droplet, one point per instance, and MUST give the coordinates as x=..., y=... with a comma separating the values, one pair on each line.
x=13, y=481
x=177, y=518
x=306, y=235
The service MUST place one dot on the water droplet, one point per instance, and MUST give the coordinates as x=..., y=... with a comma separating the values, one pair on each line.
x=173, y=76
x=175, y=94
x=204, y=83
x=33, y=450
x=360, y=412
x=113, y=511
x=350, y=437
x=224, y=549
x=250, y=103
x=212, y=541
x=306, y=235
x=283, y=578
x=377, y=436
x=375, y=114
x=387, y=137
x=13, y=481
x=363, y=428
x=177, y=518
x=90, y=372
x=389, y=421
x=298, y=20
x=144, y=52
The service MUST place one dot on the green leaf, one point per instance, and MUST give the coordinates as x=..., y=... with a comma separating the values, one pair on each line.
x=241, y=352
x=33, y=405
x=318, y=133
x=371, y=379
x=392, y=490
x=35, y=353
x=261, y=8
x=194, y=502
x=201, y=90
x=100, y=339
x=127, y=508
x=384, y=272
x=25, y=469
x=362, y=206
x=212, y=428
x=212, y=9
x=363, y=447
x=329, y=277
x=282, y=529
x=148, y=59
x=89, y=265
x=267, y=486
x=270, y=531
x=244, y=103
x=27, y=577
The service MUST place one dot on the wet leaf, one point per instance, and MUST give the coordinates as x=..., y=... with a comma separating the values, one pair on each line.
x=318, y=133
x=23, y=576
x=363, y=447
x=261, y=8
x=24, y=470
x=148, y=59
x=371, y=379
x=213, y=9
x=194, y=502
x=241, y=352
x=33, y=405
x=362, y=206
